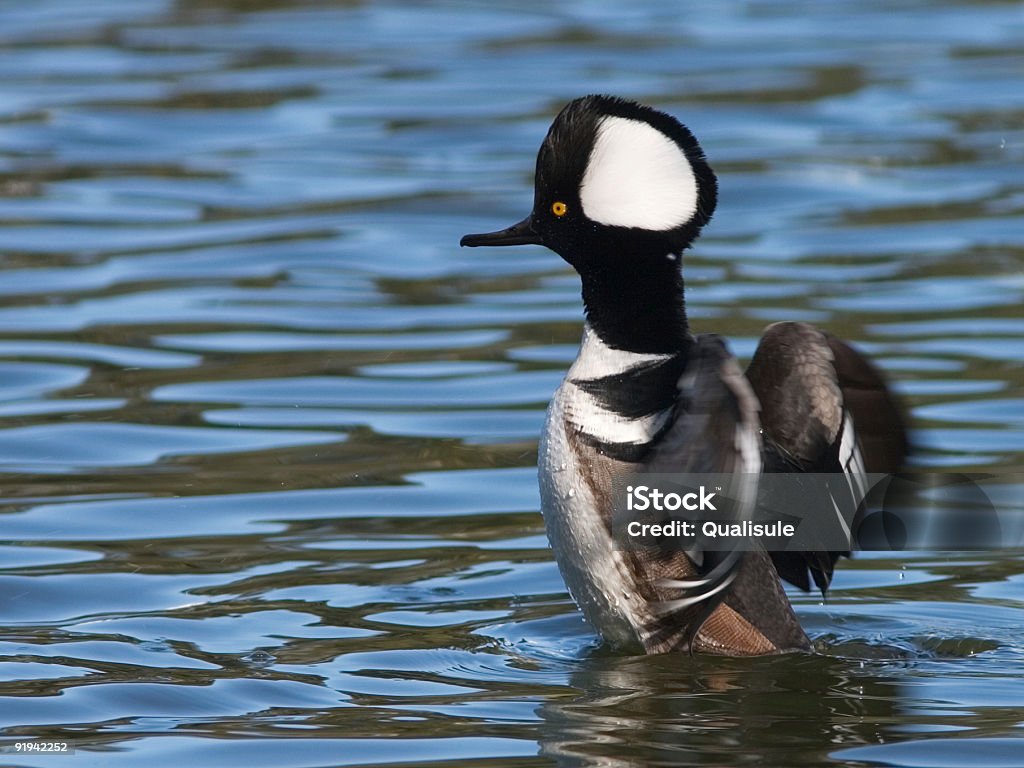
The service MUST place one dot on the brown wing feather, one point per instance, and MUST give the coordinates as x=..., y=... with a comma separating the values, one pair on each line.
x=877, y=414
x=808, y=382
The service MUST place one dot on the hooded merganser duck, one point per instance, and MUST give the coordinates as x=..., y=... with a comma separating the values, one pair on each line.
x=621, y=190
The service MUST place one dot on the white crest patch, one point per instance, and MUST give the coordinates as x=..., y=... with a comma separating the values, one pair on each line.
x=637, y=177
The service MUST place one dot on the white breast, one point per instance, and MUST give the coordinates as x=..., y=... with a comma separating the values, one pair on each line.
x=591, y=567
x=593, y=570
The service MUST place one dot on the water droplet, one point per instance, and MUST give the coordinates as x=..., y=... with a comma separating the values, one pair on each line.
x=259, y=659
x=571, y=493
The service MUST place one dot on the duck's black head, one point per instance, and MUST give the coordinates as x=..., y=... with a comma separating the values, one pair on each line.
x=620, y=191
x=612, y=171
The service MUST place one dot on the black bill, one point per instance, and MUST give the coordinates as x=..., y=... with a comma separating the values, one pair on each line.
x=518, y=234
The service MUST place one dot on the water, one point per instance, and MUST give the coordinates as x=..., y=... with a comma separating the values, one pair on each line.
x=267, y=435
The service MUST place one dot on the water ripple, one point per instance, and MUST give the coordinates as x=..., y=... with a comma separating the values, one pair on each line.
x=268, y=436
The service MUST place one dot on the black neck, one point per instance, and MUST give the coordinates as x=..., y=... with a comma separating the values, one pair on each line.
x=637, y=306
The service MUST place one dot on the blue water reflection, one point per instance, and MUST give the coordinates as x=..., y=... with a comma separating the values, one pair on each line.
x=268, y=436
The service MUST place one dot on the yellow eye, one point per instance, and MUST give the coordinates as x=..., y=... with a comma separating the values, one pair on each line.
x=559, y=208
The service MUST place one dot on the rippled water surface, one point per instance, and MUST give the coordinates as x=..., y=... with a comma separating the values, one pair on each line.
x=268, y=436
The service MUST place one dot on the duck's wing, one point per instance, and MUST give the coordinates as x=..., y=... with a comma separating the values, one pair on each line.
x=824, y=408
x=721, y=602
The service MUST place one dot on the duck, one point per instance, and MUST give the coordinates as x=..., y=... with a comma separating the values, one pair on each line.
x=621, y=191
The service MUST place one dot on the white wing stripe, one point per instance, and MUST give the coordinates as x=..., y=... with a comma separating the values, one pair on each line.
x=851, y=461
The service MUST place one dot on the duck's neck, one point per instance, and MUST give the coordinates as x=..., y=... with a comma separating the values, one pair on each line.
x=637, y=310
